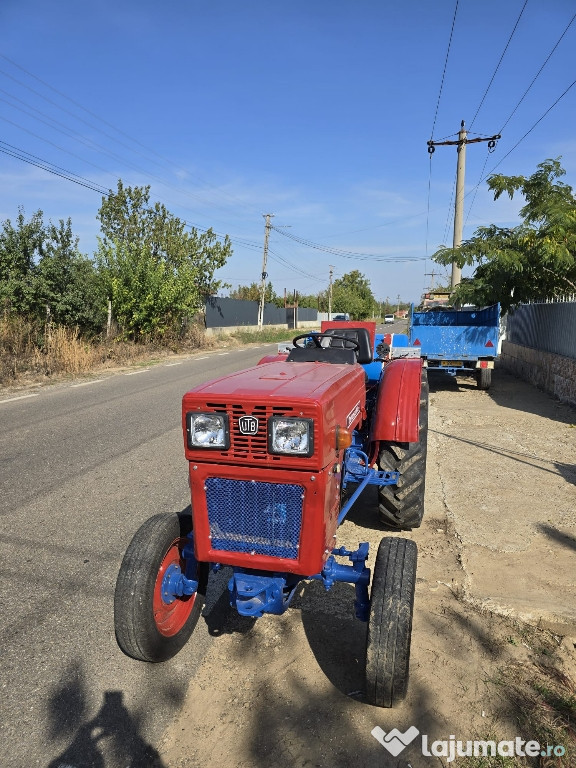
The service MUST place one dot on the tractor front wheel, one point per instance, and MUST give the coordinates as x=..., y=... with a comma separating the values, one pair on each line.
x=402, y=505
x=390, y=623
x=151, y=622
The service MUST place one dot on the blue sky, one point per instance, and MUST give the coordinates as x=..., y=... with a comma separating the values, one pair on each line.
x=318, y=112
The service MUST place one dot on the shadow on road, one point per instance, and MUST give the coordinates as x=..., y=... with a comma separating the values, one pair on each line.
x=565, y=539
x=112, y=736
x=336, y=637
x=567, y=471
x=508, y=391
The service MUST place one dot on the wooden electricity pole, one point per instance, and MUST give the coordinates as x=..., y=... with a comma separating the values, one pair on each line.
x=267, y=216
x=330, y=293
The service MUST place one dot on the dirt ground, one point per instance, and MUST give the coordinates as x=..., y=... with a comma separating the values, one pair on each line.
x=494, y=625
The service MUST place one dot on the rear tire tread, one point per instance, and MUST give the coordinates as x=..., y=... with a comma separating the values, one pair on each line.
x=402, y=505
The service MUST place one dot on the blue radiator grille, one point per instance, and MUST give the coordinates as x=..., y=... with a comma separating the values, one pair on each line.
x=249, y=516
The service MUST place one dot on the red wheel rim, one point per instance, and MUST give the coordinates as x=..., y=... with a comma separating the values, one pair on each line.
x=171, y=617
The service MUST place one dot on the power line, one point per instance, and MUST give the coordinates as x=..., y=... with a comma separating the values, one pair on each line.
x=348, y=254
x=499, y=62
x=15, y=152
x=537, y=75
x=444, y=71
x=167, y=163
x=61, y=128
x=45, y=167
x=550, y=108
x=477, y=187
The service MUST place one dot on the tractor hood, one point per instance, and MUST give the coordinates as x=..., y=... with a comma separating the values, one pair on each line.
x=330, y=396
x=281, y=379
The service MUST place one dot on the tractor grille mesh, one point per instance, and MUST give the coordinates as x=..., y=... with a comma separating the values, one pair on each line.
x=254, y=517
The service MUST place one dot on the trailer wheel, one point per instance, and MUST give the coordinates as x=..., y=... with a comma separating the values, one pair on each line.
x=402, y=505
x=390, y=623
x=483, y=378
x=147, y=627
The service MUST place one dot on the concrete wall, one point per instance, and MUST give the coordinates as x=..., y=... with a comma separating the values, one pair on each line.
x=548, y=371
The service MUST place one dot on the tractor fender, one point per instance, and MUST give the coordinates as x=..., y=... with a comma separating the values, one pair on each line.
x=397, y=411
x=279, y=358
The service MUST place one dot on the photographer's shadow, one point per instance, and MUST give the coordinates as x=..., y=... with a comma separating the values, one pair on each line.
x=113, y=731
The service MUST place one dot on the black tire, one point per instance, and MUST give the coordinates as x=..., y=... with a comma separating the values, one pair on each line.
x=147, y=628
x=483, y=378
x=402, y=505
x=390, y=623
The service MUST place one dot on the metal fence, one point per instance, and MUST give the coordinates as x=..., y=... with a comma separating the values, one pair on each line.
x=223, y=313
x=550, y=327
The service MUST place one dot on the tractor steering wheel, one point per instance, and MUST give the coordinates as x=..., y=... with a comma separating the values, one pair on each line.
x=315, y=337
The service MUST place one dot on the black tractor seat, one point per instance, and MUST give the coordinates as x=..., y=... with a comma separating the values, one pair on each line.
x=359, y=335
x=334, y=355
x=336, y=351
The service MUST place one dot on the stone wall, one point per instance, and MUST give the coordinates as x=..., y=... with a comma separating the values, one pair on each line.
x=552, y=373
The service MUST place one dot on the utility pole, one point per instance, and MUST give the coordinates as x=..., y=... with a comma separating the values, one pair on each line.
x=398, y=300
x=330, y=293
x=267, y=216
x=432, y=275
x=461, y=143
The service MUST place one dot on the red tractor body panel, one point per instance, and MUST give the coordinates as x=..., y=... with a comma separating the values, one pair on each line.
x=265, y=511
x=247, y=538
x=277, y=358
x=397, y=413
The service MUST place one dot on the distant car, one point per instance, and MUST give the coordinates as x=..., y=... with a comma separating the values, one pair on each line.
x=345, y=317
x=389, y=319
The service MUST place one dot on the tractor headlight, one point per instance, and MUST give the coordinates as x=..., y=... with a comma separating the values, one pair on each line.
x=207, y=430
x=294, y=437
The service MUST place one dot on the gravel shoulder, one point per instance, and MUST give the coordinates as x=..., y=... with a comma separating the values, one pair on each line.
x=494, y=608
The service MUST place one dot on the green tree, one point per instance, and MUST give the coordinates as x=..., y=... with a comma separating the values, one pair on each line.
x=66, y=281
x=352, y=293
x=21, y=247
x=536, y=259
x=253, y=292
x=155, y=272
x=317, y=301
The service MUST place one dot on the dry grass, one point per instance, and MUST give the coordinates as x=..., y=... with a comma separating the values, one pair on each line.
x=31, y=353
x=65, y=352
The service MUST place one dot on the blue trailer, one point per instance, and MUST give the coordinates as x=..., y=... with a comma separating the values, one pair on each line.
x=459, y=342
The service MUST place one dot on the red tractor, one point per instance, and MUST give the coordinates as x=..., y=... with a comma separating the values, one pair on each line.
x=278, y=454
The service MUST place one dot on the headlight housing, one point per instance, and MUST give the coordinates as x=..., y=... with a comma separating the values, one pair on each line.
x=208, y=430
x=291, y=436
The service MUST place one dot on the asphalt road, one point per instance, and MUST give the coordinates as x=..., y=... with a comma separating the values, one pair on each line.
x=82, y=466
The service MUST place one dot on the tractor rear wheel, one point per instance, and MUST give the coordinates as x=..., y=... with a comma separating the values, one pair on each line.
x=483, y=378
x=148, y=626
x=402, y=505
x=390, y=623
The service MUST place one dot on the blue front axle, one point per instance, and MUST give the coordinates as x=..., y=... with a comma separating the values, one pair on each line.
x=257, y=594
